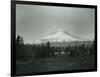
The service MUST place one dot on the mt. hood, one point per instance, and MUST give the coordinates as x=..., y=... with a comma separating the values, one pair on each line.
x=58, y=36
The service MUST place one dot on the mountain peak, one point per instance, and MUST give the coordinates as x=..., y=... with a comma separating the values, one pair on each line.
x=59, y=35
x=59, y=30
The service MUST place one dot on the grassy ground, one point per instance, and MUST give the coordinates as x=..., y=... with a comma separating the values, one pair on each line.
x=55, y=64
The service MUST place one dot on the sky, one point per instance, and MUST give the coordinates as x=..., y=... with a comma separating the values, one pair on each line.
x=34, y=22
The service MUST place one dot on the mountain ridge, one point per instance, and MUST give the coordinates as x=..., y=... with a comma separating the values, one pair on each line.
x=58, y=36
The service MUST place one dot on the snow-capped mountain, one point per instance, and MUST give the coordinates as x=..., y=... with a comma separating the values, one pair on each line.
x=58, y=36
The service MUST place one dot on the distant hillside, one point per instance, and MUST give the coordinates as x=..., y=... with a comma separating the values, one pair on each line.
x=72, y=43
x=64, y=44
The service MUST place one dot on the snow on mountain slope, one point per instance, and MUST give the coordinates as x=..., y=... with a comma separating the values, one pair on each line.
x=58, y=36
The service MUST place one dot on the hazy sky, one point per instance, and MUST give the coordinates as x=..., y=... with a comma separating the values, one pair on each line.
x=34, y=22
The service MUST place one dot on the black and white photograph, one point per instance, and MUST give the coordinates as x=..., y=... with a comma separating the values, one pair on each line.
x=54, y=39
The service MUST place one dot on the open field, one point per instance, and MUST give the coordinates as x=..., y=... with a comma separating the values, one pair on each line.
x=61, y=63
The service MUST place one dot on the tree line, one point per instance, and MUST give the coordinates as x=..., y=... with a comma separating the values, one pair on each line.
x=33, y=51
